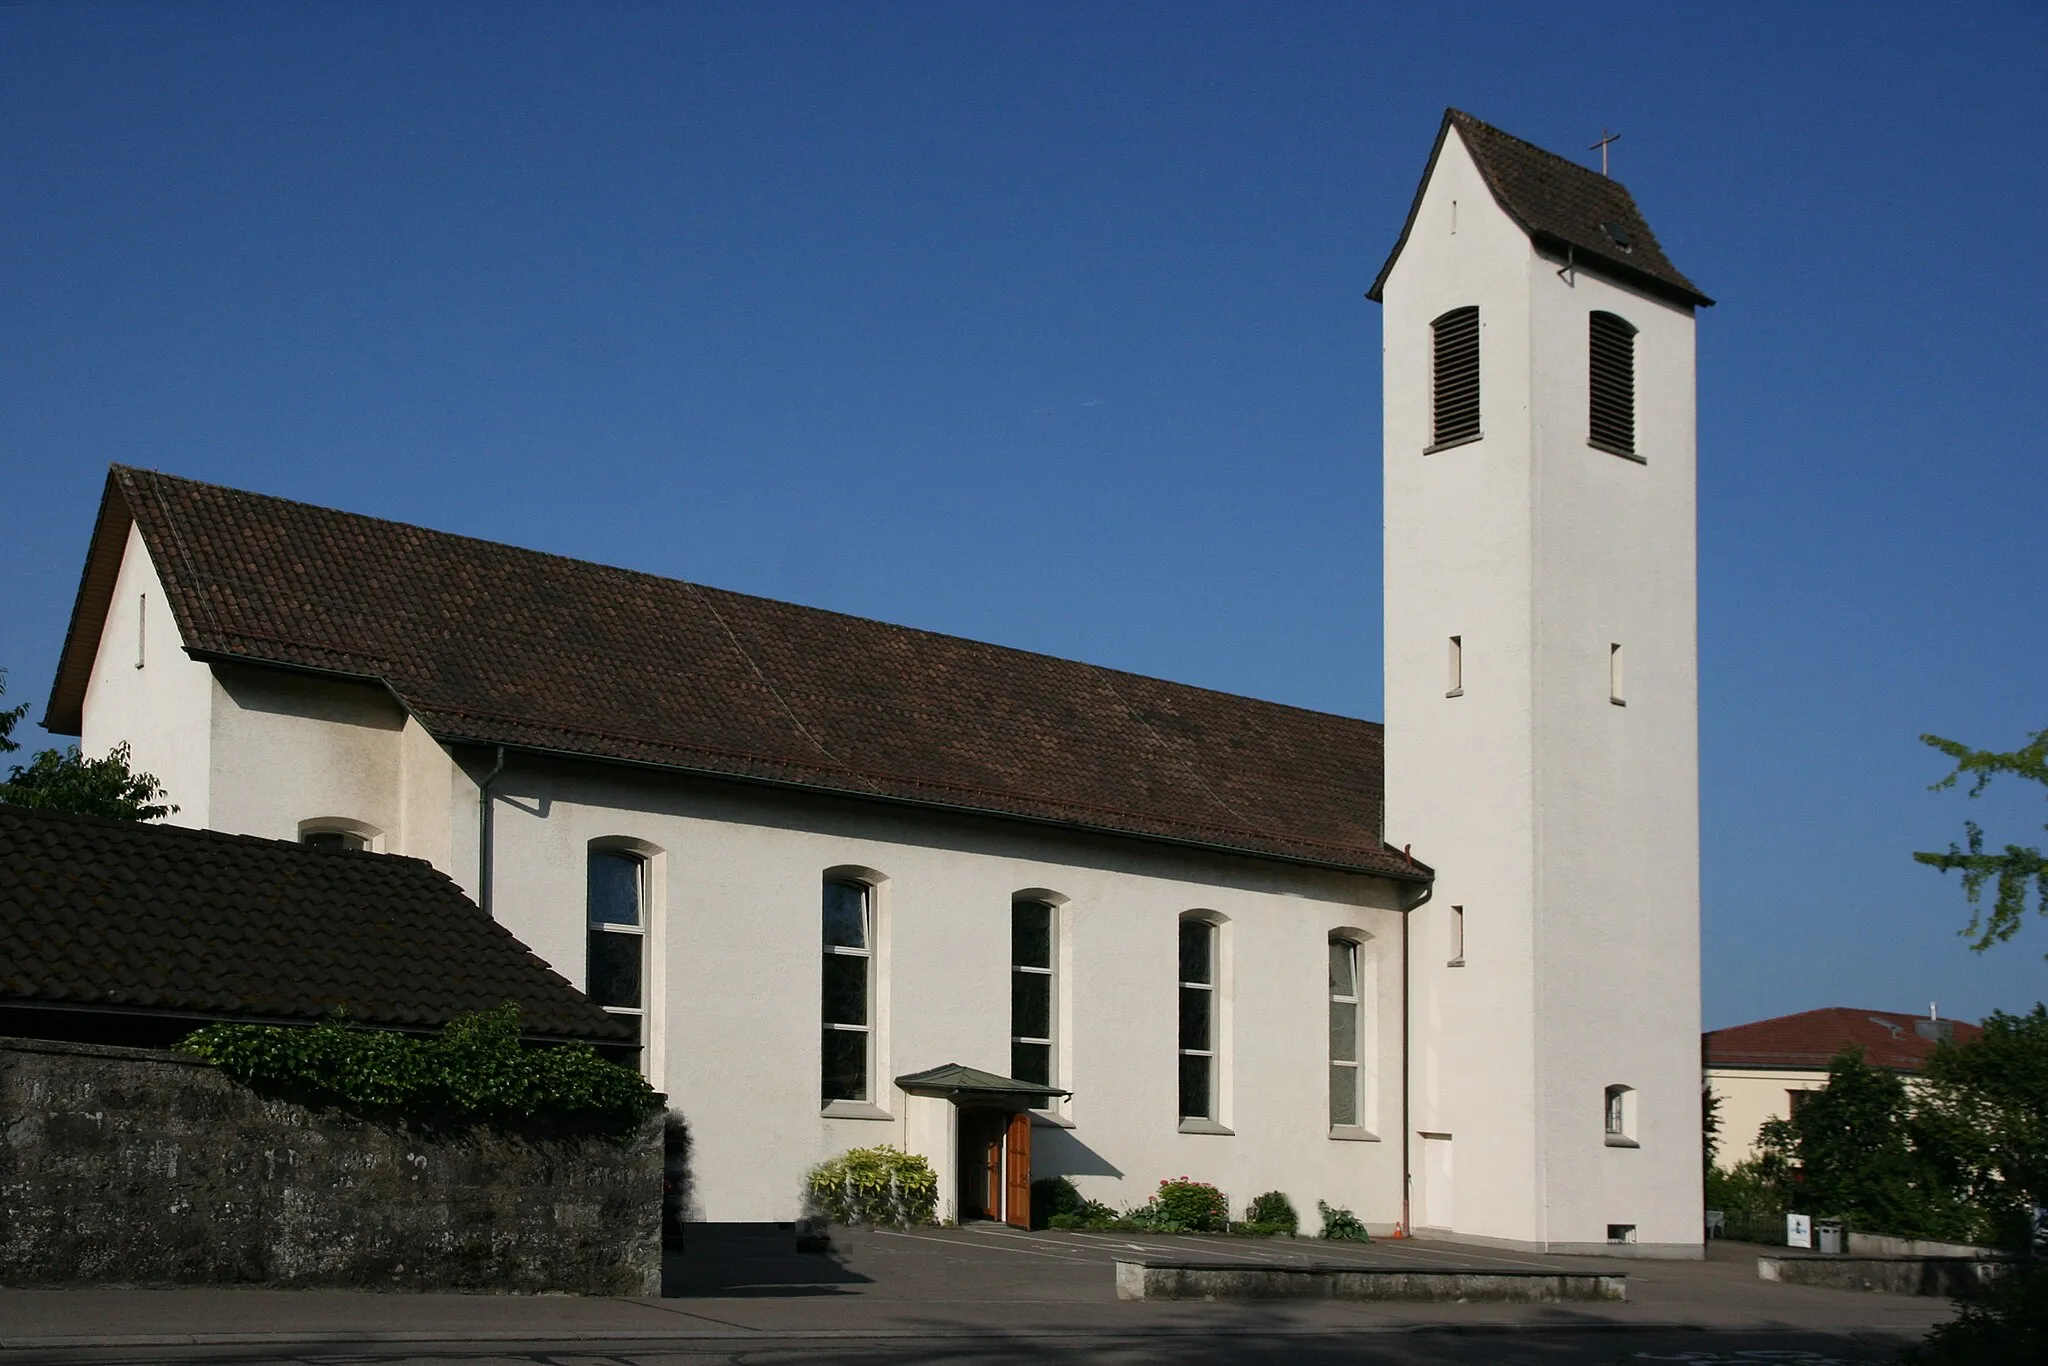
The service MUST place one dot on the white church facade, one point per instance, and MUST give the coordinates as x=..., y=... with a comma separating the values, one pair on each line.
x=855, y=883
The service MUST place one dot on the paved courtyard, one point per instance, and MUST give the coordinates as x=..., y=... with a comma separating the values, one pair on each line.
x=982, y=1293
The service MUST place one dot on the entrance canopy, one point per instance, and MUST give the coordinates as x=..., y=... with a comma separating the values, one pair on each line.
x=972, y=1086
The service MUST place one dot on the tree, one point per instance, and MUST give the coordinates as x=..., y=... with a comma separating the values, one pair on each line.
x=2017, y=867
x=1985, y=1104
x=8, y=743
x=94, y=787
x=1863, y=1156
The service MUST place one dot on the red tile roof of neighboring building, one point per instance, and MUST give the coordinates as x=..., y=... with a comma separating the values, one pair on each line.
x=1812, y=1039
x=488, y=644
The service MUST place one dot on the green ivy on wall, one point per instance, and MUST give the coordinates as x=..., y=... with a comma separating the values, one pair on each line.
x=475, y=1071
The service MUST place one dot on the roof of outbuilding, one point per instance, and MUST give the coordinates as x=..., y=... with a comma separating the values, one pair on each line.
x=121, y=915
x=494, y=645
x=1812, y=1039
x=1567, y=210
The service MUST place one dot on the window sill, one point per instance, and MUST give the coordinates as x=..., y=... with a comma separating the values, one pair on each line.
x=853, y=1109
x=1192, y=1125
x=1618, y=1141
x=1455, y=963
x=1051, y=1119
x=1457, y=442
x=1351, y=1133
x=1617, y=701
x=1610, y=450
x=1455, y=692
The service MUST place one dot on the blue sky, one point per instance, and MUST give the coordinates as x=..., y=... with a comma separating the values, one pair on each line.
x=1043, y=324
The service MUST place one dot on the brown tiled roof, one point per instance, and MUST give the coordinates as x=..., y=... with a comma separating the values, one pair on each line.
x=1567, y=210
x=1812, y=1038
x=120, y=915
x=493, y=645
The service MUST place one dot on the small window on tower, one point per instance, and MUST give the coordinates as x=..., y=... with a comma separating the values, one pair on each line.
x=1611, y=370
x=1614, y=676
x=1457, y=678
x=1454, y=378
x=1621, y=1116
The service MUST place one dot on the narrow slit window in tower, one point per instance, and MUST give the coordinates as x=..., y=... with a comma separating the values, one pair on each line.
x=1457, y=661
x=1614, y=694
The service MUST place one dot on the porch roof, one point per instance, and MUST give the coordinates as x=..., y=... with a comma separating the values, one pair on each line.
x=954, y=1080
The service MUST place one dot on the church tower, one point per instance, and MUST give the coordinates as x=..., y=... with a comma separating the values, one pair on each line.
x=1542, y=701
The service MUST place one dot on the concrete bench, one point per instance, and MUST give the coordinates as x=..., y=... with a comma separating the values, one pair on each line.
x=1893, y=1275
x=1156, y=1280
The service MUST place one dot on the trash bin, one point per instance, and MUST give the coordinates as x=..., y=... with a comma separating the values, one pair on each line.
x=1827, y=1234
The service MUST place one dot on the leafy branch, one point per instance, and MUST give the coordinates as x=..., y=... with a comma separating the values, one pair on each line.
x=2015, y=871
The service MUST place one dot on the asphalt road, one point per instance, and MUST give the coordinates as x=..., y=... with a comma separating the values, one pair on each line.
x=980, y=1294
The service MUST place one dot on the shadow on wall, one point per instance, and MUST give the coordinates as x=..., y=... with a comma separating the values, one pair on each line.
x=677, y=1189
x=751, y=1261
x=1058, y=1153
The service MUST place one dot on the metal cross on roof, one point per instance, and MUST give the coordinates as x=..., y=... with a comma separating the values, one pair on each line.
x=1601, y=146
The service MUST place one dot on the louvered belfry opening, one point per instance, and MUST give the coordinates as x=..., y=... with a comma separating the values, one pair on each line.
x=1612, y=372
x=1454, y=377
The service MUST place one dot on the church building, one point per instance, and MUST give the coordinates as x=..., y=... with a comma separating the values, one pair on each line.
x=849, y=883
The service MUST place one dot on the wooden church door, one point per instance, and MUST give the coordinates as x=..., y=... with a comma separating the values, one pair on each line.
x=1016, y=1204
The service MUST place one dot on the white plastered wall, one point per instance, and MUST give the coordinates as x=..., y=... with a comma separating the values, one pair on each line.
x=1565, y=826
x=736, y=936
x=146, y=691
x=1457, y=548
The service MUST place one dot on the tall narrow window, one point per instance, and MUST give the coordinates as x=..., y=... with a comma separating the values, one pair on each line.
x=1197, y=1019
x=848, y=998
x=1614, y=676
x=1457, y=676
x=141, y=627
x=1031, y=991
x=1621, y=1116
x=616, y=968
x=1344, y=1034
x=1611, y=371
x=1454, y=377
x=1457, y=938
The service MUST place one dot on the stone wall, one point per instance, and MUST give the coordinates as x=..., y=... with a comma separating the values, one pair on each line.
x=121, y=1166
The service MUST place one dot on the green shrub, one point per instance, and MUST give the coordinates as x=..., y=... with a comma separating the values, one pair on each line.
x=474, y=1071
x=1275, y=1211
x=1052, y=1196
x=1751, y=1198
x=881, y=1186
x=1341, y=1225
x=1093, y=1214
x=2005, y=1325
x=1184, y=1205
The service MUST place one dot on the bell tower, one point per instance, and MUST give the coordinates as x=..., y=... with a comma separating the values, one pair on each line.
x=1542, y=701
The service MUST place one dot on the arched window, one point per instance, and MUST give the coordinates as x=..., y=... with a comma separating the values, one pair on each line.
x=1454, y=378
x=1033, y=927
x=337, y=832
x=1198, y=1018
x=847, y=1013
x=1620, y=1105
x=616, y=964
x=1611, y=375
x=1344, y=1033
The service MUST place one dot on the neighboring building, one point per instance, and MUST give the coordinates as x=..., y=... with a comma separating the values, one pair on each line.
x=855, y=883
x=1765, y=1071
x=114, y=932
